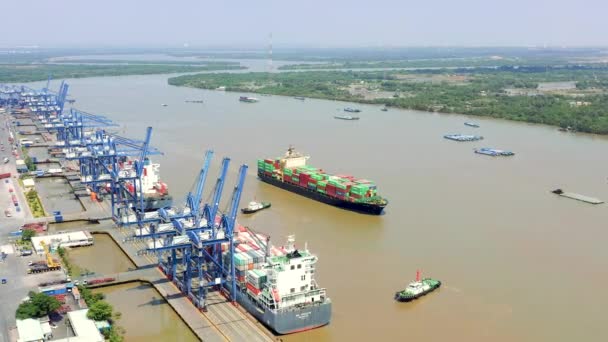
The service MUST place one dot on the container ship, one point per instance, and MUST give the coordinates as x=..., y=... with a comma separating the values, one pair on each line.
x=156, y=193
x=277, y=284
x=291, y=173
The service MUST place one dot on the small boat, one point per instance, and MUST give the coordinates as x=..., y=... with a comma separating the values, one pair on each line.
x=346, y=117
x=248, y=99
x=299, y=98
x=494, y=152
x=417, y=288
x=463, y=137
x=471, y=124
x=255, y=207
x=164, y=105
x=384, y=109
x=351, y=110
x=194, y=101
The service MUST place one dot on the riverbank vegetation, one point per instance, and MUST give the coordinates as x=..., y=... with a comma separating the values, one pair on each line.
x=574, y=96
x=41, y=72
x=101, y=310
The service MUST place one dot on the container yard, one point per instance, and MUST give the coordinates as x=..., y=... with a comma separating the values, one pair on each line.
x=139, y=203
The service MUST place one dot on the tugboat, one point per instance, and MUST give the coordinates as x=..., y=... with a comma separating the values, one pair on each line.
x=351, y=110
x=384, y=109
x=417, y=289
x=346, y=117
x=255, y=207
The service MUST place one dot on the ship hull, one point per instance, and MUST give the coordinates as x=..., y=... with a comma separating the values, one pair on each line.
x=289, y=321
x=153, y=203
x=400, y=298
x=366, y=208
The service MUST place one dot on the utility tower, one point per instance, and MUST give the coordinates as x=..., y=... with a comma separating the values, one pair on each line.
x=270, y=52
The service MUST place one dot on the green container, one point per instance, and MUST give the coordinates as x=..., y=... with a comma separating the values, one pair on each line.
x=321, y=191
x=322, y=183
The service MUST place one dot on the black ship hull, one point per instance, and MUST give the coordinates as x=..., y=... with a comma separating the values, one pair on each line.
x=153, y=203
x=366, y=208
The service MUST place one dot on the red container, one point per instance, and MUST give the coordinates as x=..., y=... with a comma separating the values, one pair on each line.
x=357, y=196
x=5, y=175
x=253, y=289
x=268, y=161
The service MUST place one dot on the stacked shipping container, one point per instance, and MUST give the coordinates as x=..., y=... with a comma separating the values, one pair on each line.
x=344, y=187
x=248, y=260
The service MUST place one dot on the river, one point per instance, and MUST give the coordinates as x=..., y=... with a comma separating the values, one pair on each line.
x=517, y=262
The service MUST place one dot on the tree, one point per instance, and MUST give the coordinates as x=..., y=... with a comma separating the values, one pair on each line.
x=100, y=311
x=27, y=234
x=39, y=305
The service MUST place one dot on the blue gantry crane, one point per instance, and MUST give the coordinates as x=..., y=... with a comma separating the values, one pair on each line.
x=128, y=206
x=201, y=256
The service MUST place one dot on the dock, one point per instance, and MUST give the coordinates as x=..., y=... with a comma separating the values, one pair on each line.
x=224, y=321
x=577, y=197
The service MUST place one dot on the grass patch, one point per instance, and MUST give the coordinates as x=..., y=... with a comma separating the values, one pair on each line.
x=33, y=201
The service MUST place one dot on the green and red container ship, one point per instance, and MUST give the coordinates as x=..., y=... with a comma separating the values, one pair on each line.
x=291, y=173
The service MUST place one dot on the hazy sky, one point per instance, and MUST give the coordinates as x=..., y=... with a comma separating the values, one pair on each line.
x=160, y=23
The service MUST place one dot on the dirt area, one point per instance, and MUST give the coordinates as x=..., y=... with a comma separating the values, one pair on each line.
x=449, y=78
x=367, y=94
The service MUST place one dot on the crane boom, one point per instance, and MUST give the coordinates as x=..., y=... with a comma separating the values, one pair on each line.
x=210, y=211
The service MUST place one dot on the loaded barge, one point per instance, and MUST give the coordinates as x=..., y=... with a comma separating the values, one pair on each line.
x=292, y=174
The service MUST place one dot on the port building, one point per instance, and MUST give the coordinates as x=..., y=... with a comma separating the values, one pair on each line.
x=65, y=239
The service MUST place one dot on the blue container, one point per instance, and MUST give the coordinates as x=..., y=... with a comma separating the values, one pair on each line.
x=58, y=218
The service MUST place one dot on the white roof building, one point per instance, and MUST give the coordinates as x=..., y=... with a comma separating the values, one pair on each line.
x=31, y=330
x=29, y=183
x=84, y=328
x=65, y=239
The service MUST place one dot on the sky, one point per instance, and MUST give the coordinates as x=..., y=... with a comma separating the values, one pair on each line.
x=307, y=23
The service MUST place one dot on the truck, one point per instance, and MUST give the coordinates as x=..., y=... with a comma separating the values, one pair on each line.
x=39, y=268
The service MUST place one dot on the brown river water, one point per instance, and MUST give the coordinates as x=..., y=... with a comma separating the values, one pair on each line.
x=517, y=262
